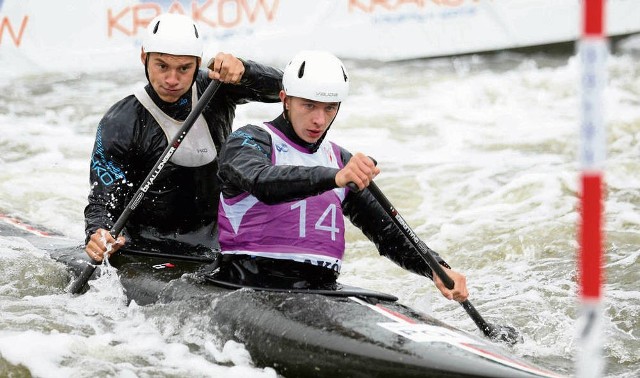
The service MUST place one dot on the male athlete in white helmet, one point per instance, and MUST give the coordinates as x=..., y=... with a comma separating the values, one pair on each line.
x=284, y=192
x=179, y=212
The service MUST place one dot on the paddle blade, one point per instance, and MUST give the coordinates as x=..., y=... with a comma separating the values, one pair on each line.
x=499, y=333
x=503, y=333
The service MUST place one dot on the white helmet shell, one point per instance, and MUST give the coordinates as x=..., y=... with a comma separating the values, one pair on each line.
x=316, y=75
x=174, y=34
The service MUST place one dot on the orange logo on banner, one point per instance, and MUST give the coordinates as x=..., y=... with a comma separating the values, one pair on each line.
x=221, y=13
x=8, y=27
x=369, y=6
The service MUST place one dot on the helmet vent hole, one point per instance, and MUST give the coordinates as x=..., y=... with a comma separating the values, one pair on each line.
x=155, y=28
x=301, y=70
x=196, y=31
x=344, y=74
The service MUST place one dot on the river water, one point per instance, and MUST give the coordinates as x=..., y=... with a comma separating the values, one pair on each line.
x=478, y=153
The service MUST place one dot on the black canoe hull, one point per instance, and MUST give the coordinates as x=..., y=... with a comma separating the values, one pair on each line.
x=352, y=332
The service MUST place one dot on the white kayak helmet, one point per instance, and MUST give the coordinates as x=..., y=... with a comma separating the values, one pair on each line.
x=316, y=75
x=174, y=34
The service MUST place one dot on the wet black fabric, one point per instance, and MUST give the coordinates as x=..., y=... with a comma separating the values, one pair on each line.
x=245, y=166
x=270, y=273
x=179, y=211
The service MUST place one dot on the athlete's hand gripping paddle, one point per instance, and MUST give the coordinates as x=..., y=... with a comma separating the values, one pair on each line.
x=495, y=332
x=507, y=334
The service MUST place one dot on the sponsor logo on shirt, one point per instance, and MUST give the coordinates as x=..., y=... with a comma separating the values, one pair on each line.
x=282, y=147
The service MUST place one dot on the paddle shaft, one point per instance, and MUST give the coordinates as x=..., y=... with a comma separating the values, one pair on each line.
x=77, y=286
x=427, y=256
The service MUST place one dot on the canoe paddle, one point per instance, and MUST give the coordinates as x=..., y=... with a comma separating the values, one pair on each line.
x=501, y=333
x=77, y=286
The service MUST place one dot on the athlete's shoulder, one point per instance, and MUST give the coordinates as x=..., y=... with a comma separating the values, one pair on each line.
x=121, y=121
x=123, y=109
x=249, y=130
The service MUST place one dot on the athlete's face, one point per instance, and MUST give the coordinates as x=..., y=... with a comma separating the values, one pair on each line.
x=310, y=119
x=171, y=76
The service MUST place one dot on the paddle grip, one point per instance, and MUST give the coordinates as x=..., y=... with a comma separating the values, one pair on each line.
x=352, y=186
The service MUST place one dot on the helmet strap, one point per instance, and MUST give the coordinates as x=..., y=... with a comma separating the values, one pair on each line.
x=146, y=66
x=195, y=74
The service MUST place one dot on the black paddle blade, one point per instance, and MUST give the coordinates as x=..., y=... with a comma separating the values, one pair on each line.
x=506, y=334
